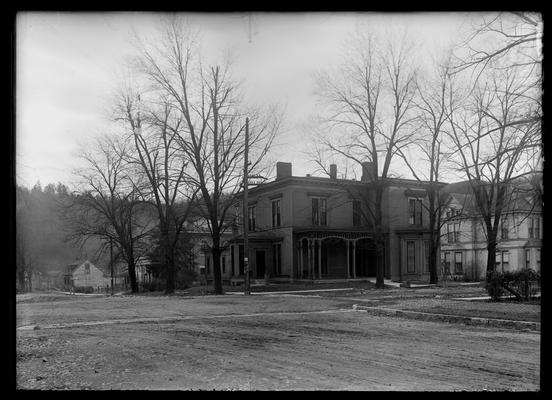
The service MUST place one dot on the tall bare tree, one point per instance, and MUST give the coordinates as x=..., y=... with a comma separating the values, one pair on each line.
x=370, y=109
x=430, y=148
x=495, y=133
x=207, y=126
x=107, y=205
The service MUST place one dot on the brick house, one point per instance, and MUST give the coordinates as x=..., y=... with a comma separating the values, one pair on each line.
x=318, y=228
x=463, y=240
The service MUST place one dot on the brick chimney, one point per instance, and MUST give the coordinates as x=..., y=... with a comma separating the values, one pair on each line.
x=333, y=171
x=367, y=171
x=283, y=169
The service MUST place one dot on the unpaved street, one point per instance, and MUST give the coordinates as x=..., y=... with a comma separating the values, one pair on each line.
x=271, y=343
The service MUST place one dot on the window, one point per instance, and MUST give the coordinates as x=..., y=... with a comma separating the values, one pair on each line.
x=251, y=216
x=504, y=229
x=207, y=263
x=453, y=232
x=426, y=255
x=449, y=212
x=232, y=260
x=223, y=262
x=410, y=256
x=415, y=211
x=458, y=262
x=538, y=259
x=447, y=263
x=527, y=258
x=318, y=211
x=502, y=260
x=276, y=213
x=356, y=213
x=277, y=259
x=87, y=269
x=505, y=260
x=536, y=227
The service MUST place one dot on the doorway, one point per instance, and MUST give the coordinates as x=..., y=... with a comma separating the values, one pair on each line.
x=260, y=263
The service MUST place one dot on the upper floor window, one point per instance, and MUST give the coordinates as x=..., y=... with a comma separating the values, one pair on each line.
x=534, y=228
x=251, y=217
x=415, y=211
x=453, y=232
x=538, y=259
x=356, y=213
x=276, y=219
x=504, y=229
x=87, y=268
x=527, y=258
x=319, y=211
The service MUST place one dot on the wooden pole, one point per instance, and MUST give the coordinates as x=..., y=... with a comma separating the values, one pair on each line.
x=247, y=289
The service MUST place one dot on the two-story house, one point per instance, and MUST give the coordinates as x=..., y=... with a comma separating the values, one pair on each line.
x=321, y=228
x=463, y=237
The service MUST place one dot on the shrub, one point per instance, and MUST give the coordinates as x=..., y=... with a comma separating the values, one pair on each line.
x=84, y=289
x=525, y=282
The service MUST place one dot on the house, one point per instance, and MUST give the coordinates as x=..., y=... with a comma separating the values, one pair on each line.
x=319, y=228
x=84, y=274
x=463, y=237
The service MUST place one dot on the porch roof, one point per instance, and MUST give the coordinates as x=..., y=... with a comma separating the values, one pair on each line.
x=321, y=233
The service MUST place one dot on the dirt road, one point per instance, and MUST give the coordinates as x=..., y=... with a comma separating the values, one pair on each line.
x=271, y=343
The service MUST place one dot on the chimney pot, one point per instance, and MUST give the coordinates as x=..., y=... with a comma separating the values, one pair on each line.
x=333, y=171
x=367, y=171
x=283, y=169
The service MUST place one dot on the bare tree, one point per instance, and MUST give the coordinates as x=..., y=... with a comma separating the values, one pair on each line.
x=432, y=105
x=107, y=205
x=207, y=125
x=495, y=132
x=510, y=39
x=370, y=102
x=160, y=166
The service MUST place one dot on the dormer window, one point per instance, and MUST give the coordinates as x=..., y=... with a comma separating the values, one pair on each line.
x=87, y=268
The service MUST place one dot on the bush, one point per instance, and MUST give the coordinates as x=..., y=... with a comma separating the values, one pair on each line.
x=525, y=282
x=84, y=289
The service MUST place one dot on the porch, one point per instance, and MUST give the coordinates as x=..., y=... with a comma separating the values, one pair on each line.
x=327, y=255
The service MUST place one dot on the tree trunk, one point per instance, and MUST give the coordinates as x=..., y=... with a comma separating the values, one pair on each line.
x=379, y=243
x=491, y=252
x=217, y=276
x=132, y=275
x=170, y=267
x=433, y=238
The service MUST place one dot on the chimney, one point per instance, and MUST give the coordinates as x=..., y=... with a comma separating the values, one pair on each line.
x=367, y=171
x=333, y=171
x=283, y=169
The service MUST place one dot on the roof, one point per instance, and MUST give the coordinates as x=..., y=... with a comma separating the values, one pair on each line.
x=325, y=181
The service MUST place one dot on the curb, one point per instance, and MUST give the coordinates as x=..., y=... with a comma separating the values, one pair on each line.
x=479, y=321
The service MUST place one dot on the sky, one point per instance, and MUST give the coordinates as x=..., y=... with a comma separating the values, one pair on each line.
x=69, y=64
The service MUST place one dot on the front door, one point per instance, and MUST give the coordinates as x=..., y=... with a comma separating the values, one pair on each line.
x=260, y=263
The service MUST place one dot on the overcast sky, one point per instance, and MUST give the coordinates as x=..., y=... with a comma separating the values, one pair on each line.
x=68, y=64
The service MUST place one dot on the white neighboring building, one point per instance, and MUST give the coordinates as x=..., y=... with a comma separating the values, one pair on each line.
x=463, y=240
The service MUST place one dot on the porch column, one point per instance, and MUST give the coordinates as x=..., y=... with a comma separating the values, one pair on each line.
x=354, y=259
x=301, y=259
x=308, y=258
x=311, y=258
x=347, y=244
x=320, y=259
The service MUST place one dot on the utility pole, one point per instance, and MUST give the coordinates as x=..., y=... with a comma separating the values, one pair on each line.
x=111, y=262
x=247, y=290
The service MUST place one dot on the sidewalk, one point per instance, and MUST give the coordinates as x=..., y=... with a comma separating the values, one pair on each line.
x=426, y=316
